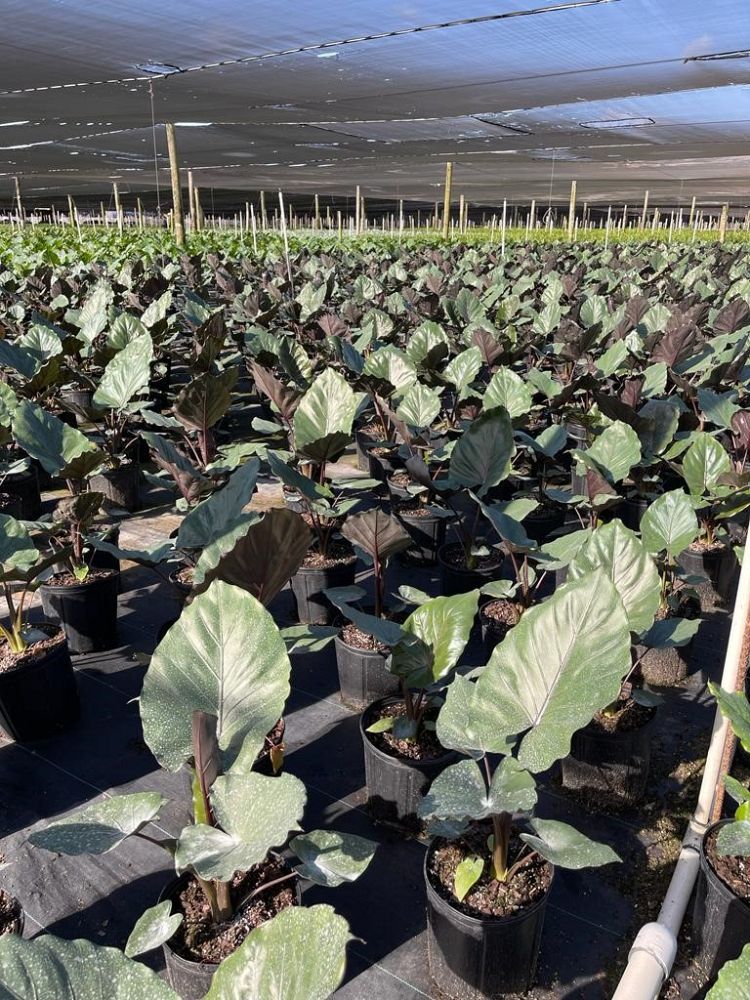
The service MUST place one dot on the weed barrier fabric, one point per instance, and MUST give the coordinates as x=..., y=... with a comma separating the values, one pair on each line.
x=622, y=95
x=589, y=923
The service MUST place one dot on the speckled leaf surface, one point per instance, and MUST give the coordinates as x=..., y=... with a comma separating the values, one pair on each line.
x=461, y=790
x=298, y=955
x=565, y=846
x=152, y=929
x=254, y=813
x=224, y=656
x=49, y=968
x=617, y=551
x=734, y=979
x=100, y=827
x=330, y=858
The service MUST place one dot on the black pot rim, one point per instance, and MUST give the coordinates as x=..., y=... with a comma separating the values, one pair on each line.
x=711, y=873
x=167, y=893
x=625, y=735
x=483, y=571
x=67, y=588
x=374, y=653
x=440, y=902
x=33, y=664
x=418, y=765
x=349, y=561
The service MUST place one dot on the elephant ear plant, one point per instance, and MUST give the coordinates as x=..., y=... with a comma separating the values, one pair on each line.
x=209, y=698
x=493, y=857
x=299, y=954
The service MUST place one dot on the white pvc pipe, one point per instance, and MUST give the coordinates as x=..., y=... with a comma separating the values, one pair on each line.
x=653, y=952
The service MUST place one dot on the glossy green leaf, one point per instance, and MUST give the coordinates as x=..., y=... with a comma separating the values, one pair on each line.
x=461, y=791
x=152, y=929
x=508, y=389
x=565, y=846
x=330, y=858
x=734, y=979
x=62, y=450
x=323, y=420
x=126, y=375
x=669, y=525
x=99, y=827
x=481, y=457
x=212, y=518
x=704, y=462
x=468, y=873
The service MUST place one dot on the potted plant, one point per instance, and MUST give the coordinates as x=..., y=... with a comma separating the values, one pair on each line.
x=402, y=753
x=721, y=914
x=299, y=954
x=362, y=657
x=489, y=869
x=38, y=694
x=213, y=724
x=479, y=461
x=80, y=596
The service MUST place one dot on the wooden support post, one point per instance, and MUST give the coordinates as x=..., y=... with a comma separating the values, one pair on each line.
x=140, y=213
x=362, y=214
x=644, y=213
x=118, y=205
x=692, y=211
x=282, y=219
x=447, y=199
x=254, y=226
x=724, y=218
x=19, y=203
x=572, y=210
x=263, y=215
x=461, y=214
x=606, y=227
x=174, y=171
x=532, y=214
x=357, y=210
x=317, y=211
x=505, y=217
x=401, y=217
x=71, y=213
x=340, y=224
x=198, y=209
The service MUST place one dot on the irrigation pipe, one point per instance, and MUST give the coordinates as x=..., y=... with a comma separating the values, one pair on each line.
x=653, y=952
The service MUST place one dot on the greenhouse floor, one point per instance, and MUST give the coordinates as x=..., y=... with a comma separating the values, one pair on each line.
x=592, y=915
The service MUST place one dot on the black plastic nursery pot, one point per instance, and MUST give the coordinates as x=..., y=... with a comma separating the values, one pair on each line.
x=82, y=397
x=39, y=697
x=363, y=675
x=308, y=584
x=395, y=786
x=428, y=536
x=459, y=579
x=189, y=979
x=542, y=522
x=721, y=568
x=383, y=460
x=632, y=510
x=493, y=629
x=721, y=919
x=616, y=763
x=473, y=958
x=25, y=486
x=121, y=486
x=87, y=611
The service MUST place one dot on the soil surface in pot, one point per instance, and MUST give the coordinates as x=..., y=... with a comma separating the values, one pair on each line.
x=68, y=580
x=339, y=554
x=454, y=556
x=409, y=510
x=487, y=897
x=503, y=613
x=354, y=636
x=627, y=716
x=199, y=940
x=701, y=546
x=401, y=479
x=10, y=917
x=10, y=660
x=425, y=747
x=184, y=575
x=734, y=871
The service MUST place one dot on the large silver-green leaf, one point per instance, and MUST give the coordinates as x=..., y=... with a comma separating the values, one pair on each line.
x=623, y=557
x=298, y=955
x=461, y=791
x=669, y=525
x=254, y=813
x=126, y=375
x=419, y=406
x=481, y=457
x=464, y=368
x=62, y=450
x=704, y=462
x=734, y=979
x=17, y=551
x=563, y=662
x=100, y=827
x=205, y=400
x=224, y=656
x=441, y=627
x=734, y=839
x=614, y=452
x=509, y=390
x=660, y=418
x=152, y=929
x=49, y=968
x=330, y=858
x=392, y=366
x=565, y=846
x=323, y=420
x=213, y=517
